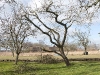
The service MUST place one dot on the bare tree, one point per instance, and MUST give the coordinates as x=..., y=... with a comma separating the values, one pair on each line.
x=83, y=39
x=6, y=42
x=18, y=30
x=56, y=19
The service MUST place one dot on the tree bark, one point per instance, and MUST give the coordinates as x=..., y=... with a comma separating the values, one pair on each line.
x=66, y=60
x=16, y=60
x=85, y=52
x=65, y=57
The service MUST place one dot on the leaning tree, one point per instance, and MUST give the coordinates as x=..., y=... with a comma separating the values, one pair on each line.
x=54, y=19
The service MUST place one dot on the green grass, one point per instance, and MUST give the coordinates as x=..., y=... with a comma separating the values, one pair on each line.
x=76, y=68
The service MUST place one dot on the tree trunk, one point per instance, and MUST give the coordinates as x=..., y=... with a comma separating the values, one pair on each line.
x=65, y=57
x=66, y=60
x=85, y=49
x=85, y=52
x=12, y=52
x=16, y=60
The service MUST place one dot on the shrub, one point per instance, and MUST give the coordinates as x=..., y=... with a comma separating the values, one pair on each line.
x=47, y=59
x=24, y=67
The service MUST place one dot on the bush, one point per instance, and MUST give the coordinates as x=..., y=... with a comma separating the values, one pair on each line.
x=47, y=59
x=24, y=67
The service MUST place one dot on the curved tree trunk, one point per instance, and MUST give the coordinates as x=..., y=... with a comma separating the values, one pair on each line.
x=65, y=57
x=66, y=60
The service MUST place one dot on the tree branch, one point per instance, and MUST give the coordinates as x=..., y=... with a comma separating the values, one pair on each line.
x=51, y=51
x=46, y=33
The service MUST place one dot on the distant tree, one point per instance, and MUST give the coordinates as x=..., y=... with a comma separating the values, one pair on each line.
x=70, y=47
x=83, y=39
x=27, y=46
x=93, y=46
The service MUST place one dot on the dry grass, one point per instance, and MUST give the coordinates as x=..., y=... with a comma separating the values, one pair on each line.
x=33, y=56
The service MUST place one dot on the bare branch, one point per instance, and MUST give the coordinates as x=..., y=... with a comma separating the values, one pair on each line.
x=51, y=51
x=41, y=30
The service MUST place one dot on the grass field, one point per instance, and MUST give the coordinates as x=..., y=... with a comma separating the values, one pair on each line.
x=76, y=68
x=32, y=68
x=33, y=56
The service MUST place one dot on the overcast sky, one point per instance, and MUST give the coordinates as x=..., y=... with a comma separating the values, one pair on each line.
x=95, y=27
